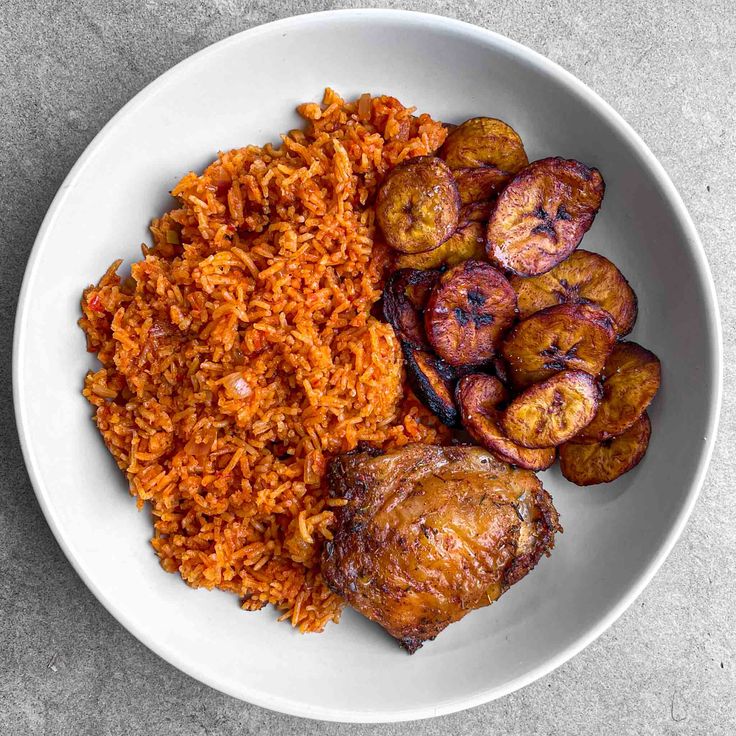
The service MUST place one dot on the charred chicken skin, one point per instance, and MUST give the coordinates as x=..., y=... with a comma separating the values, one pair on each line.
x=431, y=533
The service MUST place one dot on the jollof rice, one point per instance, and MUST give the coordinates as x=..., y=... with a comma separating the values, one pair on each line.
x=241, y=353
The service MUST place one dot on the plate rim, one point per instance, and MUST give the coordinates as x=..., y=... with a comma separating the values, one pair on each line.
x=702, y=271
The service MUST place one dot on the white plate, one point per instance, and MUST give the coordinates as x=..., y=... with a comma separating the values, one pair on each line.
x=244, y=90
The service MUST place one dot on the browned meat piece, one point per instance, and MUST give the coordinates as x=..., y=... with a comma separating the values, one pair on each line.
x=431, y=533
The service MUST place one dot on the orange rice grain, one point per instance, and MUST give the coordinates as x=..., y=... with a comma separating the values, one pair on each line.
x=242, y=355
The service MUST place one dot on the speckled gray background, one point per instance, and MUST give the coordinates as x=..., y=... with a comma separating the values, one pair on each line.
x=666, y=667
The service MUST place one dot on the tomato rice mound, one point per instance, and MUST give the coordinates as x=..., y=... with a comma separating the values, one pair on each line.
x=241, y=353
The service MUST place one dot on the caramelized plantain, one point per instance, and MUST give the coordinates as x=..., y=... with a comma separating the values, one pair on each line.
x=550, y=413
x=433, y=382
x=480, y=183
x=468, y=241
x=501, y=370
x=476, y=212
x=602, y=462
x=484, y=142
x=631, y=378
x=542, y=214
x=479, y=398
x=583, y=278
x=568, y=336
x=468, y=311
x=418, y=205
x=405, y=296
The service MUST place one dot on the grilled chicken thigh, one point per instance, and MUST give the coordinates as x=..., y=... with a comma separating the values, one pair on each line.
x=431, y=533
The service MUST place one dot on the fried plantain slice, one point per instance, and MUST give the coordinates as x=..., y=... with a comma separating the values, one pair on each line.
x=542, y=215
x=602, y=462
x=433, y=382
x=404, y=298
x=484, y=142
x=583, y=278
x=418, y=205
x=476, y=212
x=468, y=241
x=468, y=311
x=479, y=398
x=631, y=378
x=480, y=183
x=568, y=336
x=501, y=370
x=550, y=413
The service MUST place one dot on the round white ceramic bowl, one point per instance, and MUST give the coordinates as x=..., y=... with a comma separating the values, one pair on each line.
x=244, y=90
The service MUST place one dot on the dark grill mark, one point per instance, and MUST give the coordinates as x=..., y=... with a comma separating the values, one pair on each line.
x=476, y=300
x=476, y=297
x=558, y=359
x=544, y=229
x=562, y=213
x=482, y=320
x=461, y=316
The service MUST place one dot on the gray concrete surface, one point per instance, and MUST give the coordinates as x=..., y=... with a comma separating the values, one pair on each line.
x=666, y=667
